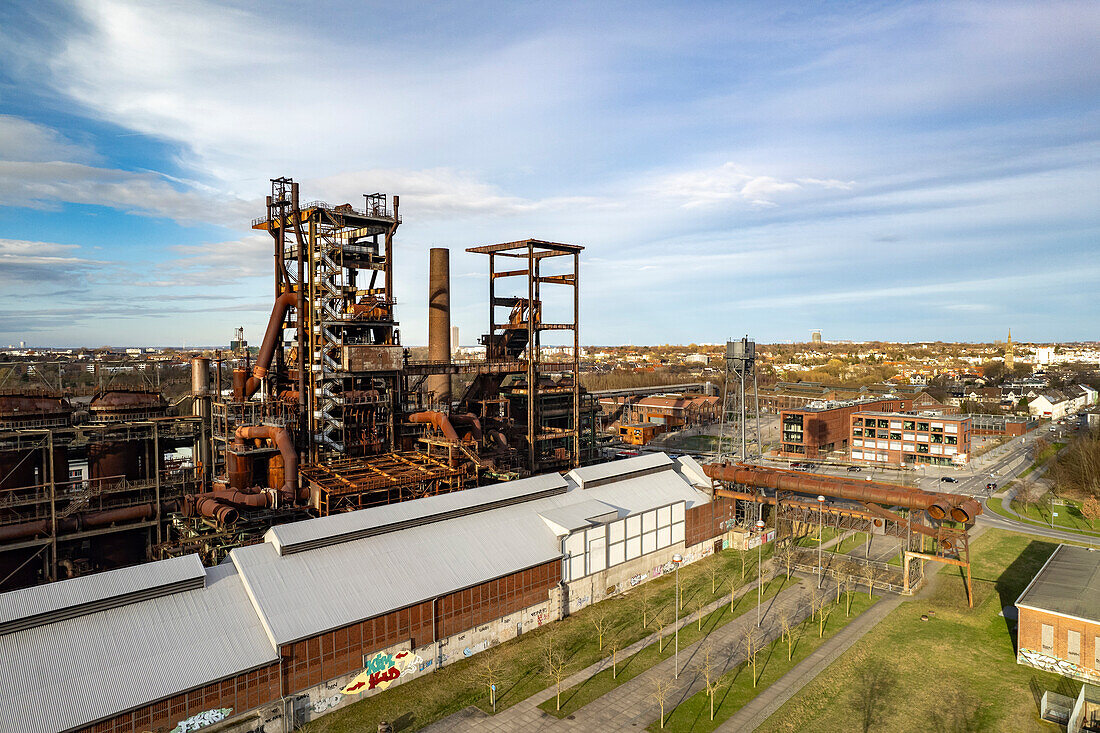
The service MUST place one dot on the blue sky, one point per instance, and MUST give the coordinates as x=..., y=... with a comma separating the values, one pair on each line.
x=896, y=171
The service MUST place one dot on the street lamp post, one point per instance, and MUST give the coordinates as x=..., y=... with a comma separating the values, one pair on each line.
x=676, y=560
x=759, y=551
x=820, y=523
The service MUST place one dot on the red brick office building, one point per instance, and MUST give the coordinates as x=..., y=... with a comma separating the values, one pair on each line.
x=812, y=432
x=908, y=438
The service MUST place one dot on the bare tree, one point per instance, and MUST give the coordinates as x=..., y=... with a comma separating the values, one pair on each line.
x=556, y=665
x=742, y=555
x=822, y=618
x=786, y=555
x=817, y=600
x=697, y=607
x=711, y=673
x=714, y=572
x=659, y=618
x=848, y=588
x=785, y=623
x=487, y=671
x=1027, y=493
x=750, y=642
x=662, y=689
x=647, y=603
x=600, y=618
x=614, y=644
x=872, y=574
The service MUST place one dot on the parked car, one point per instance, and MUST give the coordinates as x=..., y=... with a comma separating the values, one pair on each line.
x=949, y=479
x=852, y=469
x=992, y=486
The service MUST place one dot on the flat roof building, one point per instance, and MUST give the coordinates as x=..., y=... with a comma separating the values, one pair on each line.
x=812, y=432
x=1059, y=624
x=910, y=438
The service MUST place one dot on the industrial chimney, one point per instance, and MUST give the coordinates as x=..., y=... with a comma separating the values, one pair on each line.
x=439, y=321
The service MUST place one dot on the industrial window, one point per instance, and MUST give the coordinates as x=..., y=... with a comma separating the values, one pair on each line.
x=952, y=429
x=857, y=431
x=909, y=425
x=649, y=522
x=649, y=542
x=895, y=436
x=922, y=426
x=677, y=532
x=597, y=555
x=633, y=547
x=952, y=440
x=895, y=424
x=884, y=424
x=1073, y=646
x=1048, y=639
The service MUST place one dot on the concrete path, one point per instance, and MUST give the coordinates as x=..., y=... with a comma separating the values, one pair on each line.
x=630, y=705
x=761, y=707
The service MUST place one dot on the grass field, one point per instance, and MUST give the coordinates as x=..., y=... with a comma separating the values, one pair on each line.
x=606, y=680
x=955, y=671
x=520, y=672
x=1043, y=457
x=736, y=687
x=1072, y=522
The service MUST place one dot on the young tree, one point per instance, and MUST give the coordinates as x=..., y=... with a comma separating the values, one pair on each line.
x=614, y=644
x=600, y=618
x=848, y=588
x=786, y=556
x=711, y=674
x=1090, y=510
x=556, y=665
x=822, y=618
x=742, y=555
x=697, y=607
x=662, y=689
x=750, y=642
x=487, y=671
x=872, y=574
x=647, y=604
x=714, y=571
x=659, y=619
x=785, y=624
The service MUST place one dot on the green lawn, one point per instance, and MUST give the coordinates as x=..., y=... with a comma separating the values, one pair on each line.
x=520, y=671
x=1069, y=520
x=736, y=687
x=955, y=671
x=810, y=540
x=1069, y=516
x=606, y=680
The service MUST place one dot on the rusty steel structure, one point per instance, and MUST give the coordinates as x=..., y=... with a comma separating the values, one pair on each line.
x=942, y=518
x=88, y=490
x=328, y=414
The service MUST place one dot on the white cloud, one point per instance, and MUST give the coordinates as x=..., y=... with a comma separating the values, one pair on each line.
x=731, y=182
x=22, y=139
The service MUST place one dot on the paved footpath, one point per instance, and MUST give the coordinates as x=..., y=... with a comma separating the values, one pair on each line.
x=630, y=705
x=764, y=705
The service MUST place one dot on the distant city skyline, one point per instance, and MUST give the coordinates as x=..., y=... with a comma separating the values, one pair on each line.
x=917, y=172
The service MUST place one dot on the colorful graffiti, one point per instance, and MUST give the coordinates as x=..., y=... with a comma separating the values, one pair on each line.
x=201, y=720
x=381, y=670
x=638, y=579
x=472, y=650
x=1057, y=666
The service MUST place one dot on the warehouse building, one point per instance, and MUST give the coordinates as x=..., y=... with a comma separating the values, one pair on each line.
x=328, y=610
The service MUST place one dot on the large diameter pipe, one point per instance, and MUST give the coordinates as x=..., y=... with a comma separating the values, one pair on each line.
x=282, y=440
x=960, y=508
x=439, y=321
x=271, y=338
x=439, y=420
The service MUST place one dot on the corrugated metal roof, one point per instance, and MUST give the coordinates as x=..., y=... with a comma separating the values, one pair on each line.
x=94, y=591
x=287, y=537
x=589, y=476
x=74, y=672
x=307, y=593
x=690, y=469
x=1069, y=583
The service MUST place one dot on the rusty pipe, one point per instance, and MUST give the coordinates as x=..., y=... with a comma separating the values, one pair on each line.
x=271, y=337
x=27, y=529
x=300, y=318
x=214, y=509
x=282, y=440
x=439, y=420
x=863, y=491
x=469, y=422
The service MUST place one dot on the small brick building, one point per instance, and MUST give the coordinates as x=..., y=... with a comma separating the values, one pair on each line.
x=1059, y=625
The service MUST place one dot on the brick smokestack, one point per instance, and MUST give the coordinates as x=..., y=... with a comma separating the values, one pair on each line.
x=439, y=320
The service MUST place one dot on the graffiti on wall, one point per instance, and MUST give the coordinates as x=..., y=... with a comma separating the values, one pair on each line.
x=327, y=703
x=475, y=648
x=381, y=671
x=201, y=720
x=1057, y=666
x=638, y=579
